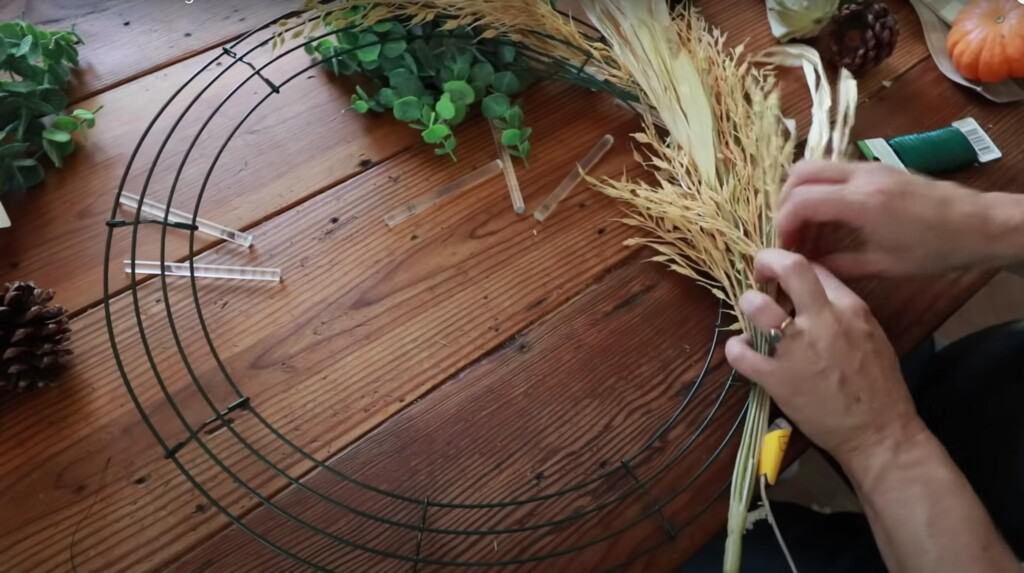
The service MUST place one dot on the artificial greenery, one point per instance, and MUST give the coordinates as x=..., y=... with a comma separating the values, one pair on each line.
x=429, y=77
x=35, y=66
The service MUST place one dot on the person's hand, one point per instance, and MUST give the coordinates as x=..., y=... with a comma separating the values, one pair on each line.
x=904, y=224
x=834, y=373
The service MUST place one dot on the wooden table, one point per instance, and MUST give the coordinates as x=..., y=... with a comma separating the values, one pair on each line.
x=469, y=354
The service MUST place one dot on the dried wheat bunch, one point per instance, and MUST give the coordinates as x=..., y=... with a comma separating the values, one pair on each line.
x=709, y=207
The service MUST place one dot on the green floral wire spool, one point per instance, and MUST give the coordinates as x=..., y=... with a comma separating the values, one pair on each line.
x=938, y=151
x=950, y=148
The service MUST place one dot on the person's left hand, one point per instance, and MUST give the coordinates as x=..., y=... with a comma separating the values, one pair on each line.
x=834, y=373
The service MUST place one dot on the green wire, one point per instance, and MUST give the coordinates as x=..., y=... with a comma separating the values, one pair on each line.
x=939, y=151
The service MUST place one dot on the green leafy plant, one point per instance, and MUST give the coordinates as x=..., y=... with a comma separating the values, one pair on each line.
x=429, y=77
x=35, y=66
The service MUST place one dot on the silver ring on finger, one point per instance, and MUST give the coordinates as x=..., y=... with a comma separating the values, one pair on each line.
x=776, y=335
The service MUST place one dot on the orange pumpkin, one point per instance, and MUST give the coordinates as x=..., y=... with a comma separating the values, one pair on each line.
x=987, y=40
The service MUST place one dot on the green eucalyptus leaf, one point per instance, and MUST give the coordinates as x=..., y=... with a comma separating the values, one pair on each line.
x=54, y=99
x=460, y=91
x=397, y=31
x=325, y=48
x=427, y=115
x=87, y=117
x=460, y=114
x=53, y=152
x=408, y=109
x=23, y=47
x=506, y=83
x=56, y=135
x=511, y=137
x=506, y=54
x=405, y=83
x=348, y=39
x=22, y=87
x=12, y=149
x=514, y=117
x=524, y=149
x=65, y=123
x=445, y=108
x=370, y=47
x=435, y=133
x=360, y=105
x=496, y=105
x=394, y=48
x=410, y=63
x=29, y=171
x=386, y=97
x=382, y=27
x=482, y=73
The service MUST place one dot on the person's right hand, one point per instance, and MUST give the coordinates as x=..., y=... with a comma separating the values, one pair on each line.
x=905, y=224
x=834, y=374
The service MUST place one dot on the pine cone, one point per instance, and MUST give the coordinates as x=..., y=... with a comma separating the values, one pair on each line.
x=33, y=337
x=862, y=35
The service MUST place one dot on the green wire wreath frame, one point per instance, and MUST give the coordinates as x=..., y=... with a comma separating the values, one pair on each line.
x=638, y=485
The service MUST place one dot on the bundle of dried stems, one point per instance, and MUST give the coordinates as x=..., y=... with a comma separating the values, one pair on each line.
x=708, y=206
x=718, y=174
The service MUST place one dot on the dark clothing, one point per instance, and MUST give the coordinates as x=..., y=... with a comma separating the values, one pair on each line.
x=969, y=394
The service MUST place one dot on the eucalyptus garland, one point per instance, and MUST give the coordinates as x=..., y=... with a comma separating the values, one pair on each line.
x=35, y=66
x=429, y=77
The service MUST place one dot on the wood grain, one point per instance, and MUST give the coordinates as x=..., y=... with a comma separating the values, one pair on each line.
x=909, y=310
x=566, y=401
x=127, y=39
x=383, y=302
x=298, y=143
x=369, y=320
x=571, y=397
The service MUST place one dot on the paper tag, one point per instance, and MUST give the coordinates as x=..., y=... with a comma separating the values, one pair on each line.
x=5, y=221
x=878, y=149
x=982, y=143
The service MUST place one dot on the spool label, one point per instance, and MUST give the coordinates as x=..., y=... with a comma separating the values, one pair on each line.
x=982, y=143
x=878, y=149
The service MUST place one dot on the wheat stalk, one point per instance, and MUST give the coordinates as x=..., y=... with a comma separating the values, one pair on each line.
x=717, y=176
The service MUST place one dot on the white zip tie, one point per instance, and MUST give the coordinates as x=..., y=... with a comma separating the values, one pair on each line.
x=422, y=202
x=205, y=271
x=154, y=209
x=514, y=192
x=574, y=177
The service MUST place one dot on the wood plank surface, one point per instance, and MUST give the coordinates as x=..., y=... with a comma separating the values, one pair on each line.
x=464, y=322
x=908, y=309
x=379, y=304
x=126, y=39
x=314, y=146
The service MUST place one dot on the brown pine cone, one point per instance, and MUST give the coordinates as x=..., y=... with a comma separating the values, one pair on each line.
x=862, y=35
x=33, y=337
